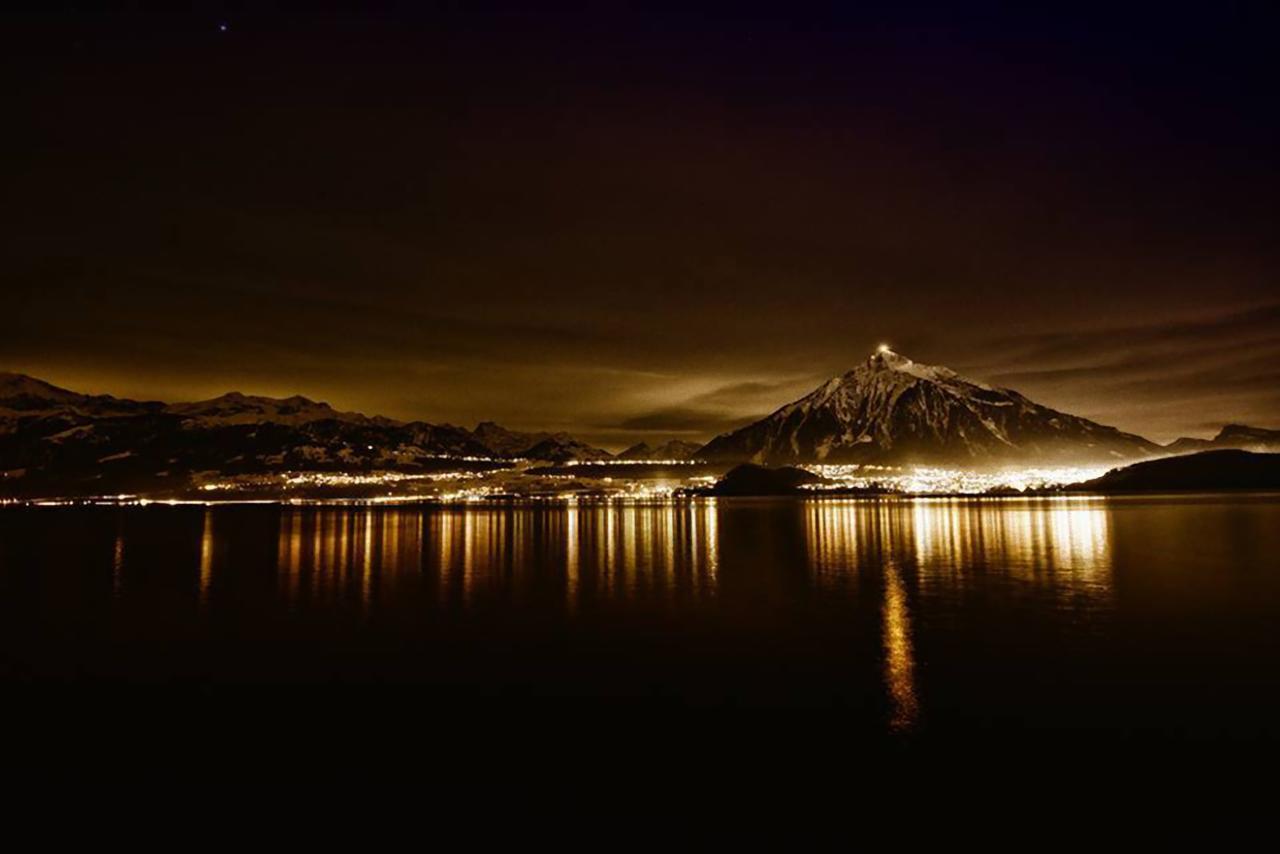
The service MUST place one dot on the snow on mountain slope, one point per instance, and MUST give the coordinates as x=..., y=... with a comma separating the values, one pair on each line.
x=557, y=447
x=21, y=392
x=893, y=410
x=503, y=442
x=237, y=408
x=675, y=449
x=59, y=438
x=22, y=396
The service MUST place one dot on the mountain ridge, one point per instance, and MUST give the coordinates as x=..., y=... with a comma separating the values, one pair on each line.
x=26, y=397
x=54, y=438
x=889, y=410
x=1240, y=437
x=675, y=449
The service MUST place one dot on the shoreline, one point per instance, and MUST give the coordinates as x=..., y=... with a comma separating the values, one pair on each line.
x=601, y=501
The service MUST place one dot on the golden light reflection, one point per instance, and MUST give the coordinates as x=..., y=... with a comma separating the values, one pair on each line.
x=571, y=559
x=367, y=520
x=464, y=557
x=899, y=658
x=1053, y=543
x=206, y=558
x=445, y=547
x=935, y=549
x=468, y=555
x=835, y=532
x=627, y=565
x=609, y=557
x=291, y=548
x=117, y=565
x=710, y=522
x=667, y=534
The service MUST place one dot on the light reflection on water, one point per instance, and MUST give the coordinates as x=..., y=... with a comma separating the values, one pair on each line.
x=206, y=556
x=899, y=660
x=938, y=547
x=599, y=551
x=117, y=564
x=896, y=555
x=918, y=616
x=1064, y=544
x=896, y=551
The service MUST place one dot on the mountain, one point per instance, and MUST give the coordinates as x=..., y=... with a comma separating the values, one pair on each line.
x=672, y=450
x=561, y=447
x=22, y=396
x=891, y=410
x=1208, y=470
x=556, y=447
x=1237, y=436
x=236, y=408
x=503, y=442
x=55, y=440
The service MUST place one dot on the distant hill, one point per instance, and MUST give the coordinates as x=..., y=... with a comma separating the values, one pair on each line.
x=749, y=479
x=896, y=411
x=672, y=450
x=1233, y=436
x=1207, y=470
x=552, y=447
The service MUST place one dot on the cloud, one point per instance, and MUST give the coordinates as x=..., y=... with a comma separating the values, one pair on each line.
x=1237, y=329
x=720, y=409
x=684, y=420
x=1154, y=378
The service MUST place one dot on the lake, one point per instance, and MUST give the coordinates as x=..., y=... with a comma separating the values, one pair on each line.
x=891, y=621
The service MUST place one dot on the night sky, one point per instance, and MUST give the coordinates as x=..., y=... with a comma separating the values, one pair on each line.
x=644, y=225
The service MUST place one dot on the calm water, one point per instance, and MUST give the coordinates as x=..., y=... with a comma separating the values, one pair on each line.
x=926, y=620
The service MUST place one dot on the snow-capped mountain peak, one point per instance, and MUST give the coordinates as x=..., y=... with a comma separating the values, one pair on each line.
x=884, y=359
x=892, y=409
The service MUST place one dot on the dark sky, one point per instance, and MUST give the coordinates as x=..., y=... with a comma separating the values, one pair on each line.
x=645, y=224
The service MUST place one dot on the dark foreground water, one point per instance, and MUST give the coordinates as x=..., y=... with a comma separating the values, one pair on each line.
x=927, y=622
